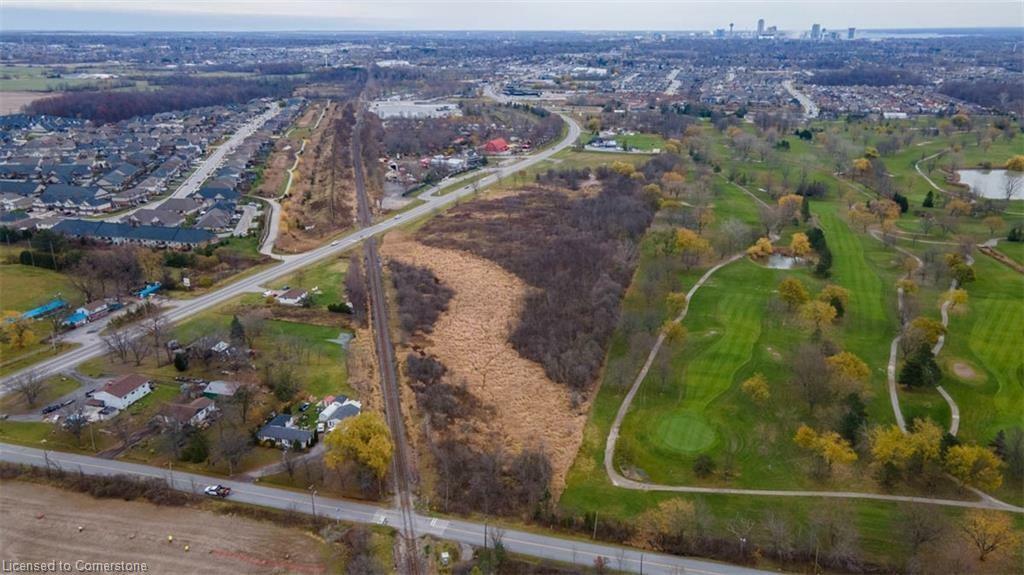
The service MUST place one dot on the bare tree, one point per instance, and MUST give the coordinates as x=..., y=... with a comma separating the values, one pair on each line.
x=810, y=375
x=1012, y=186
x=253, y=323
x=921, y=525
x=75, y=421
x=232, y=446
x=243, y=398
x=779, y=535
x=156, y=330
x=118, y=343
x=30, y=386
x=139, y=348
x=289, y=461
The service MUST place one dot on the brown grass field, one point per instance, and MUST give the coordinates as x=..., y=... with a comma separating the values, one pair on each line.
x=471, y=339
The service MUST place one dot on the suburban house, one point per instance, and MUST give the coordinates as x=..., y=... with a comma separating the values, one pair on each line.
x=281, y=432
x=336, y=411
x=215, y=220
x=194, y=413
x=124, y=391
x=294, y=296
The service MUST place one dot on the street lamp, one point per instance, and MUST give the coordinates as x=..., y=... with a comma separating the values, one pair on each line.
x=743, y=544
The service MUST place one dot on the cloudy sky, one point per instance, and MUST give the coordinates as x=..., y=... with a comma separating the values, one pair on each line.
x=256, y=15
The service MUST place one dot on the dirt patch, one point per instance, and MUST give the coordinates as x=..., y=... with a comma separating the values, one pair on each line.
x=13, y=102
x=472, y=340
x=41, y=523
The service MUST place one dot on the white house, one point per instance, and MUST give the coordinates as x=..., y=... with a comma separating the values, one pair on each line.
x=124, y=391
x=193, y=413
x=294, y=296
x=338, y=410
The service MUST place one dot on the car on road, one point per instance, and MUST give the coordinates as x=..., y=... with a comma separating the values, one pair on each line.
x=51, y=408
x=217, y=491
x=334, y=243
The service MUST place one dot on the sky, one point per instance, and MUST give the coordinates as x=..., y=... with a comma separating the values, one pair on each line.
x=659, y=15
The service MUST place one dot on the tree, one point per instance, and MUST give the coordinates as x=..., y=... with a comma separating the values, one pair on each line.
x=817, y=315
x=1015, y=453
x=793, y=292
x=253, y=324
x=920, y=369
x=244, y=397
x=692, y=248
x=885, y=210
x=703, y=465
x=799, y=245
x=676, y=303
x=1016, y=163
x=762, y=248
x=958, y=297
x=989, y=531
x=756, y=388
x=854, y=418
x=805, y=209
x=30, y=386
x=962, y=273
x=362, y=439
x=836, y=296
x=929, y=200
x=669, y=523
x=181, y=361
x=356, y=289
x=849, y=371
x=675, y=332
x=924, y=331
x=808, y=367
x=921, y=525
x=237, y=332
x=995, y=224
x=232, y=446
x=789, y=206
x=829, y=446
x=904, y=452
x=957, y=207
x=974, y=465
x=17, y=330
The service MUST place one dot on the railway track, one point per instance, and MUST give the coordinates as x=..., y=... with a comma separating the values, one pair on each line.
x=403, y=472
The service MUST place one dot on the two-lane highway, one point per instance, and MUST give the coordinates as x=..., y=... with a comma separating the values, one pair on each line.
x=567, y=550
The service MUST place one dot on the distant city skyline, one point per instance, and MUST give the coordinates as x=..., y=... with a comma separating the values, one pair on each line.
x=660, y=15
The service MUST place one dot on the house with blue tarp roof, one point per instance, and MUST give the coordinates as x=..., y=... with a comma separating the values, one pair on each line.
x=45, y=310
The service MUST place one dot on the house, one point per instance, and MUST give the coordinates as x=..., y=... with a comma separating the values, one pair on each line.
x=294, y=296
x=215, y=220
x=122, y=392
x=281, y=432
x=157, y=217
x=218, y=388
x=95, y=410
x=193, y=413
x=496, y=146
x=151, y=236
x=94, y=310
x=184, y=206
x=338, y=410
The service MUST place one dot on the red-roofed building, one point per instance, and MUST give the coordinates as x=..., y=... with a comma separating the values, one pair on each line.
x=496, y=146
x=124, y=391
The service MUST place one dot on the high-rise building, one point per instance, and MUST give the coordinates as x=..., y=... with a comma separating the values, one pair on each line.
x=730, y=29
x=850, y=33
x=760, y=27
x=816, y=32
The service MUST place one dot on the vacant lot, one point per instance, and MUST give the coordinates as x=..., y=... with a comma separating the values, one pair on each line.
x=25, y=287
x=472, y=340
x=13, y=102
x=44, y=523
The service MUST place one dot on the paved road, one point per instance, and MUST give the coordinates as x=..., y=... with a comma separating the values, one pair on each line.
x=211, y=164
x=534, y=544
x=810, y=108
x=177, y=310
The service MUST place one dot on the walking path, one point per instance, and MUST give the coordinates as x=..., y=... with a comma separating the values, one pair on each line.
x=917, y=166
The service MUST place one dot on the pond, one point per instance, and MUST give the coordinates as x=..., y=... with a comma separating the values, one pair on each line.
x=992, y=183
x=781, y=262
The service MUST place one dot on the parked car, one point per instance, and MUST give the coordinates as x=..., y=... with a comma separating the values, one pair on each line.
x=51, y=408
x=304, y=406
x=217, y=491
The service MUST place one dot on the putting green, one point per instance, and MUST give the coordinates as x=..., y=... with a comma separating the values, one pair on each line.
x=686, y=432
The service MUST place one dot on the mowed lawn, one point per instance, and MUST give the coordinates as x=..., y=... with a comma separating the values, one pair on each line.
x=25, y=287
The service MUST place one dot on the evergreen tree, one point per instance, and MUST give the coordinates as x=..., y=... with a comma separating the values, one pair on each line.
x=929, y=200
x=237, y=331
x=805, y=209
